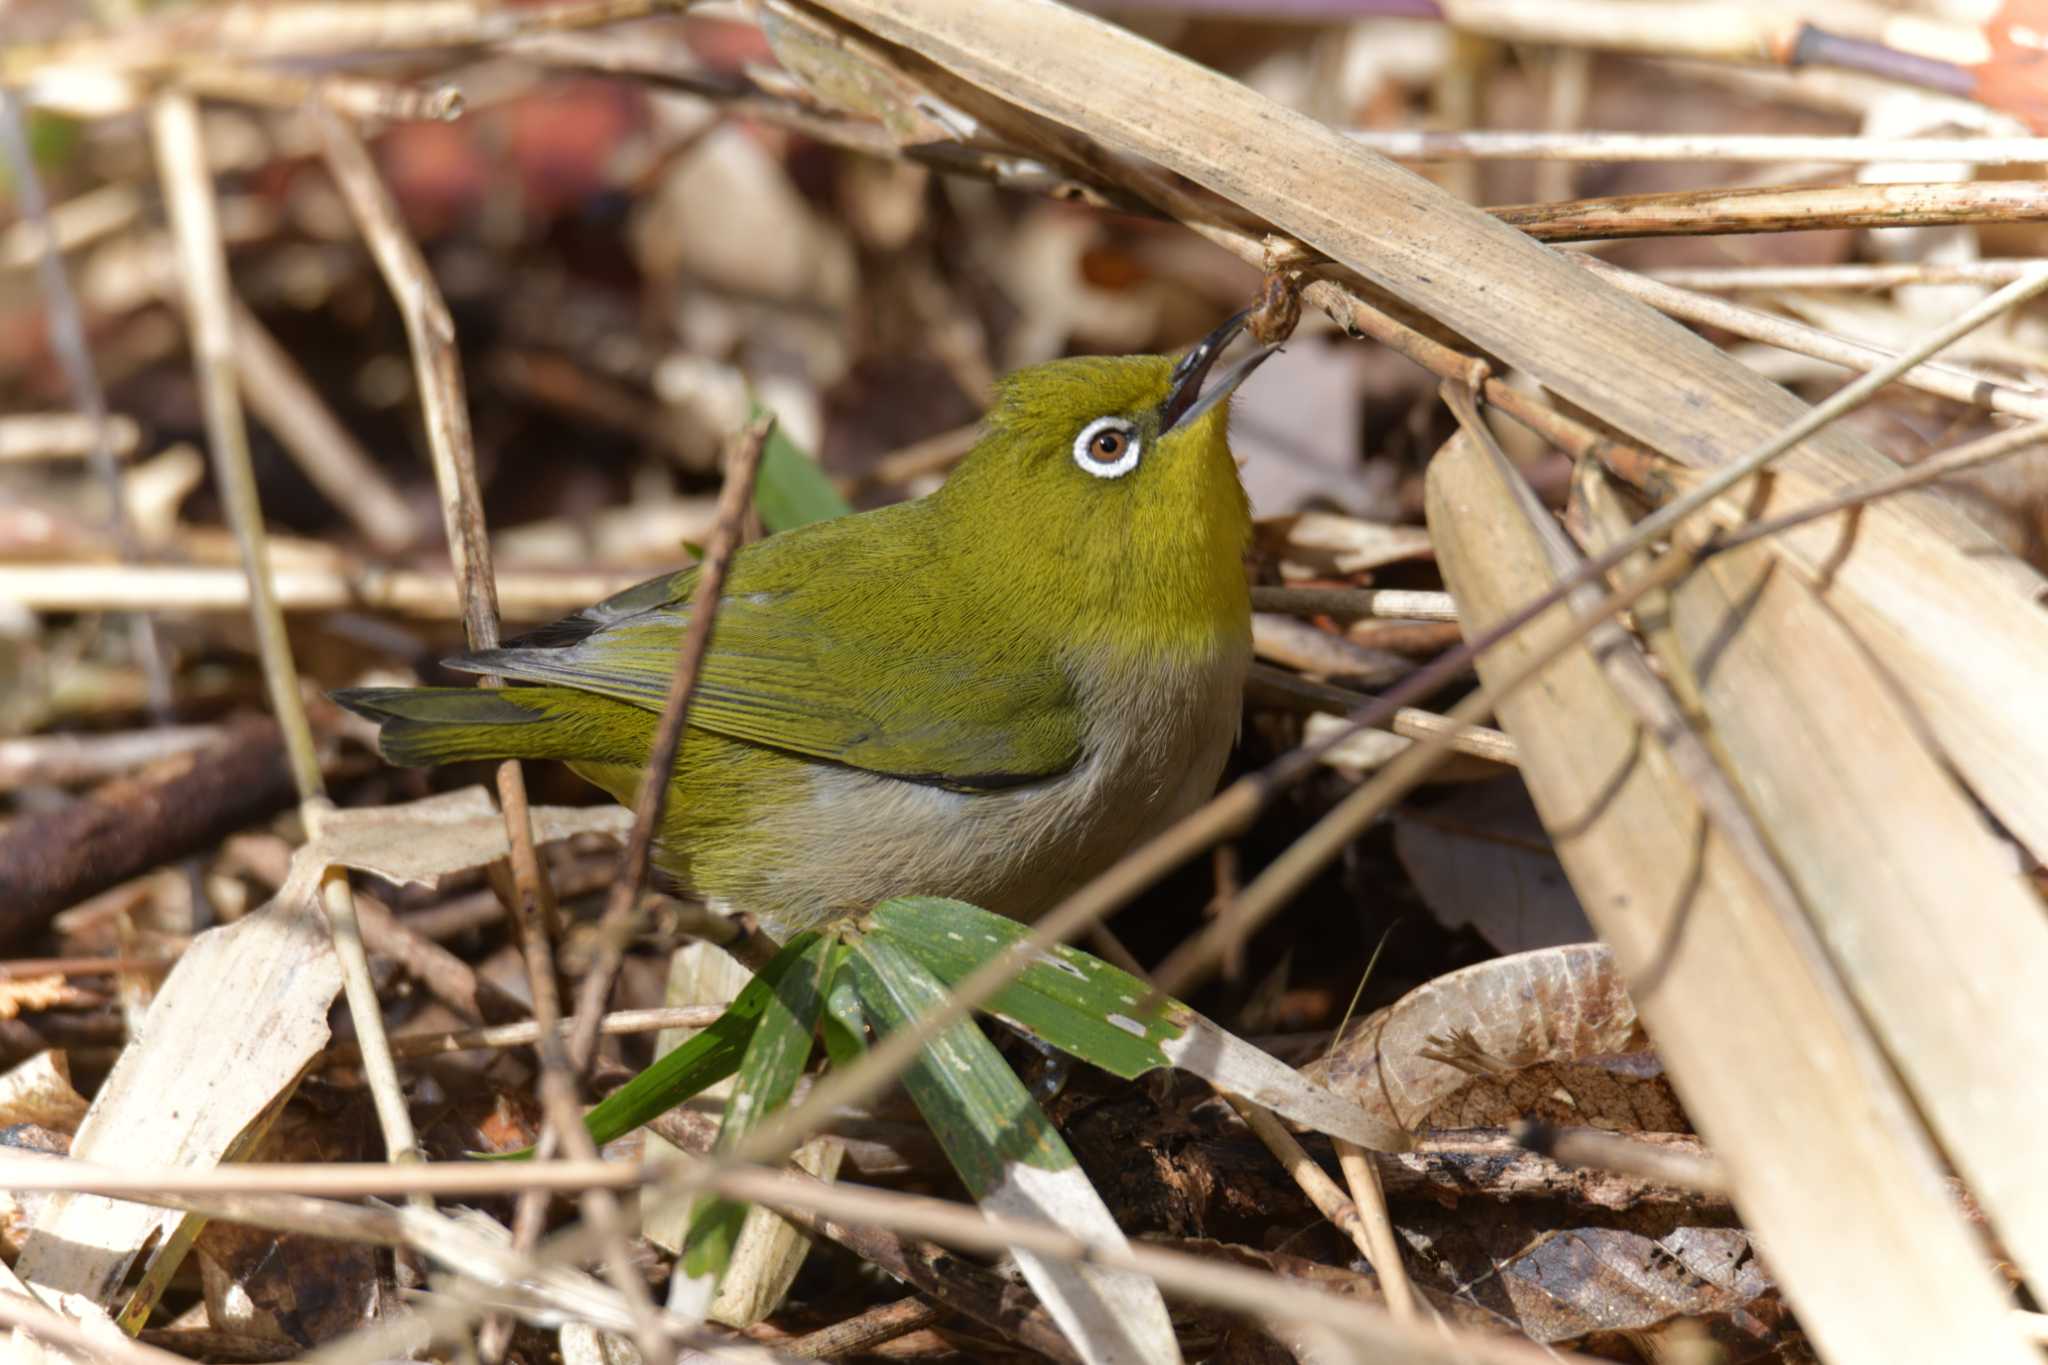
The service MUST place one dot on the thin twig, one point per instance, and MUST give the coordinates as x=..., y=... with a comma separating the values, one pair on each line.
x=734, y=498
x=1969, y=455
x=202, y=263
x=864, y=1331
x=619, y=1023
x=355, y=96
x=1590, y=1147
x=1475, y=144
x=1369, y=1194
x=12, y=969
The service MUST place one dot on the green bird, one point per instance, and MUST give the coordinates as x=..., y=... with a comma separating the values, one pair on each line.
x=990, y=693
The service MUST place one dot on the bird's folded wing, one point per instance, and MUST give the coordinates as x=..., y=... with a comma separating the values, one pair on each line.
x=779, y=674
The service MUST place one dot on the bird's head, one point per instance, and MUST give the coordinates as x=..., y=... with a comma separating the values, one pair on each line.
x=1106, y=483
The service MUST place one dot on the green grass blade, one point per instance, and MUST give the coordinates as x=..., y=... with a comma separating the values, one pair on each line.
x=768, y=1073
x=1077, y=1003
x=790, y=490
x=1084, y=1006
x=1014, y=1162
x=703, y=1061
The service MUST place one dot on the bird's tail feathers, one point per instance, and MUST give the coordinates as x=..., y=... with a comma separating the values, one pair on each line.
x=422, y=726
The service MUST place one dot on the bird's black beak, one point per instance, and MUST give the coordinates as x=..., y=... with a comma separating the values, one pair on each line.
x=1186, y=401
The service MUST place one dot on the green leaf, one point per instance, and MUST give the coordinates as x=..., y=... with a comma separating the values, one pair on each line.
x=1099, y=1013
x=1014, y=1162
x=703, y=1061
x=1077, y=1003
x=774, y=1060
x=790, y=490
x=981, y=1113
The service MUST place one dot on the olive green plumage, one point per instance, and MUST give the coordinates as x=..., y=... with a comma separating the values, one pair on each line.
x=988, y=693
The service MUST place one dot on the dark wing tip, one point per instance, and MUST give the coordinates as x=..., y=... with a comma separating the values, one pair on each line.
x=368, y=702
x=478, y=661
x=570, y=630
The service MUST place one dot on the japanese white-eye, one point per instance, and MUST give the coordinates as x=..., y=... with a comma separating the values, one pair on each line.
x=989, y=693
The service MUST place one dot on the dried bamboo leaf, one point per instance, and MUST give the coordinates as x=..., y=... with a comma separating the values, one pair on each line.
x=1932, y=928
x=192, y=1090
x=1827, y=1161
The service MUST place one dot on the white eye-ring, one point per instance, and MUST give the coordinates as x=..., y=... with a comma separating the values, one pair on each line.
x=1107, y=448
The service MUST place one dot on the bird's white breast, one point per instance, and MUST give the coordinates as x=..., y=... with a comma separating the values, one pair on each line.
x=1158, y=734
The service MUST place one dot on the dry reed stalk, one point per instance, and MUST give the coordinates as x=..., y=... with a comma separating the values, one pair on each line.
x=357, y=97
x=175, y=40
x=71, y=586
x=77, y=222
x=1477, y=144
x=619, y=1023
x=1956, y=459
x=1944, y=381
x=865, y=1331
x=1772, y=208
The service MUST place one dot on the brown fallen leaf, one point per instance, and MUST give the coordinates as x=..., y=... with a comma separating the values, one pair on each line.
x=295, y=1290
x=1482, y=857
x=1551, y=1005
x=1606, y=1274
x=39, y=1091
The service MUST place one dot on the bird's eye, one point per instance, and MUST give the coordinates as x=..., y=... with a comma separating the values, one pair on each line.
x=1107, y=448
